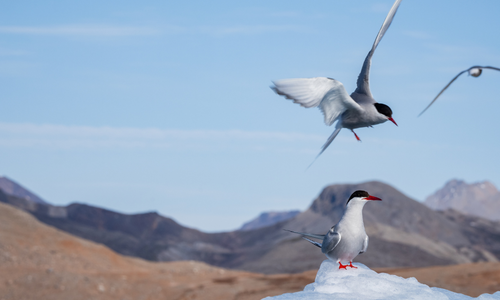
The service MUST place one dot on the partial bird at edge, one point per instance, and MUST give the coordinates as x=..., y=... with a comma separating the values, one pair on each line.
x=474, y=71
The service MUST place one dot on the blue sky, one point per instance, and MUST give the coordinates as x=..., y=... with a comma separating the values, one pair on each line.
x=163, y=105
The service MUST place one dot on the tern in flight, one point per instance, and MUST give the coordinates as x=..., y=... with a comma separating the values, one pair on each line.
x=474, y=71
x=354, y=111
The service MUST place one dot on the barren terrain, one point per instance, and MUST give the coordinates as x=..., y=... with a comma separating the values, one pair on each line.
x=40, y=262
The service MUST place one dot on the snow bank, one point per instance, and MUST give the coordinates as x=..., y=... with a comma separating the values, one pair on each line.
x=363, y=283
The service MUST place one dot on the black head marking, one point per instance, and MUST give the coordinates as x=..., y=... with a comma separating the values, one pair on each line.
x=383, y=109
x=358, y=194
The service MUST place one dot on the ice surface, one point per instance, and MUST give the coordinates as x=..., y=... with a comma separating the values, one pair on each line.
x=363, y=283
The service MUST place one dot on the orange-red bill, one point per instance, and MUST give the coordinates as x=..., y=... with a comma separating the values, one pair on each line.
x=373, y=198
x=392, y=120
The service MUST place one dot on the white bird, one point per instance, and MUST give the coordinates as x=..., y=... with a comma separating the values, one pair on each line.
x=474, y=71
x=355, y=111
x=345, y=240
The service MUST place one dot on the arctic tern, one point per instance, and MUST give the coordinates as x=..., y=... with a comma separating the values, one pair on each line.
x=357, y=110
x=474, y=71
x=345, y=240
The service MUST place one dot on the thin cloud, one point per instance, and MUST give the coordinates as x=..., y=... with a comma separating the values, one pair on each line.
x=79, y=30
x=11, y=52
x=123, y=31
x=60, y=136
x=421, y=35
x=256, y=29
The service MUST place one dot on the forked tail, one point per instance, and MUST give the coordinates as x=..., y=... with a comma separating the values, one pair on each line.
x=327, y=143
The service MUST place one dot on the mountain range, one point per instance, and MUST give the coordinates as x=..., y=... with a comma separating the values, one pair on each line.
x=39, y=262
x=479, y=199
x=269, y=218
x=10, y=187
x=403, y=233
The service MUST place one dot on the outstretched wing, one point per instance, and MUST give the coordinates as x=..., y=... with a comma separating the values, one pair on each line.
x=455, y=78
x=364, y=76
x=434, y=100
x=488, y=67
x=327, y=93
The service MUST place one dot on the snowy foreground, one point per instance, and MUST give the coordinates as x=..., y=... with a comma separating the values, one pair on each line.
x=363, y=283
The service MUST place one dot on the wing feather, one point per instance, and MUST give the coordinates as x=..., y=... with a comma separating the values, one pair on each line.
x=326, y=93
x=364, y=75
x=331, y=241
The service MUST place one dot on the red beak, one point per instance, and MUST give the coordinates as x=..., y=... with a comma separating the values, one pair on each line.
x=392, y=120
x=373, y=198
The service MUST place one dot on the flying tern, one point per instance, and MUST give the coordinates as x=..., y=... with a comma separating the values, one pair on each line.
x=473, y=71
x=345, y=240
x=357, y=110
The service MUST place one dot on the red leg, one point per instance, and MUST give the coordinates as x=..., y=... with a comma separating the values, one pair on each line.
x=341, y=266
x=350, y=265
x=357, y=137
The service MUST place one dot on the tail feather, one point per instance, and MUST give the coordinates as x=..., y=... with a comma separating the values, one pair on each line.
x=313, y=242
x=314, y=236
x=330, y=140
x=327, y=143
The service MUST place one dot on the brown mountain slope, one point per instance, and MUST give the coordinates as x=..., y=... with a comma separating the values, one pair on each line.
x=40, y=262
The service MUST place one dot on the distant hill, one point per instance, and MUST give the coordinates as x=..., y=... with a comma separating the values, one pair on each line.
x=269, y=218
x=402, y=231
x=10, y=187
x=479, y=199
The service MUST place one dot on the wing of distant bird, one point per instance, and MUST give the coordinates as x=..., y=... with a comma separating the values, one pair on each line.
x=455, y=78
x=327, y=93
x=434, y=100
x=364, y=76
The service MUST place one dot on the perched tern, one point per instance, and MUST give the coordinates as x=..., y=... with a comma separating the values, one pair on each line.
x=348, y=238
x=354, y=111
x=474, y=71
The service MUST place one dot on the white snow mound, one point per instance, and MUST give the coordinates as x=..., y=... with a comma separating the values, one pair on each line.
x=363, y=283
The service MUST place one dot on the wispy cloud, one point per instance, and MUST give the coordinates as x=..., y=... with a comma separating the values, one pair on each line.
x=255, y=29
x=79, y=30
x=92, y=30
x=421, y=35
x=60, y=136
x=11, y=52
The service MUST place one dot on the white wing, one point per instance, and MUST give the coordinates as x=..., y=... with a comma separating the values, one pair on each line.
x=364, y=75
x=327, y=93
